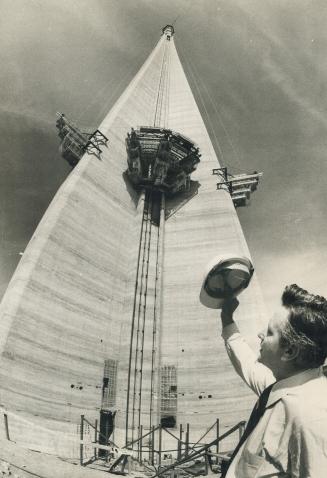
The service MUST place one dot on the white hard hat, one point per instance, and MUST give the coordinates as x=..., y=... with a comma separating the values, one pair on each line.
x=225, y=276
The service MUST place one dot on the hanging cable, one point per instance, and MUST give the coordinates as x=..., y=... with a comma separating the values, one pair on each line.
x=196, y=75
x=157, y=113
x=133, y=317
x=144, y=237
x=157, y=298
x=100, y=93
x=229, y=139
x=144, y=306
x=196, y=84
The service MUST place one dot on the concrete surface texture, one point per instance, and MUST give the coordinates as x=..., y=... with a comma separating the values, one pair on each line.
x=102, y=283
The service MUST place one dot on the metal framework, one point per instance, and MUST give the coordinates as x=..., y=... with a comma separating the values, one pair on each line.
x=109, y=384
x=75, y=143
x=240, y=186
x=146, y=453
x=160, y=159
x=168, y=395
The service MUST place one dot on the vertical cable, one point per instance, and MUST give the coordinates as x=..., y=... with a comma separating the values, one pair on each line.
x=139, y=298
x=144, y=310
x=141, y=201
x=148, y=252
x=157, y=301
x=157, y=110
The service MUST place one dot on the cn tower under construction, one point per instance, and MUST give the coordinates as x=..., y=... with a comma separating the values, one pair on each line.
x=103, y=338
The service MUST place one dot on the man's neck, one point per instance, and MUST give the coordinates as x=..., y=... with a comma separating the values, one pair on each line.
x=287, y=373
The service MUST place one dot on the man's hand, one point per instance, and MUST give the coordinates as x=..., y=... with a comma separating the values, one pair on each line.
x=228, y=308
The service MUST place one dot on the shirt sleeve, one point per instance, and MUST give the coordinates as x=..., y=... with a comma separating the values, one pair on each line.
x=256, y=375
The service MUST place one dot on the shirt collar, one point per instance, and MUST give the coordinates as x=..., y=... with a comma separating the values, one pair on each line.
x=288, y=386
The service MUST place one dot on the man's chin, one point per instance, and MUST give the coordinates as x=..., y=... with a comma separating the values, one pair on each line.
x=261, y=360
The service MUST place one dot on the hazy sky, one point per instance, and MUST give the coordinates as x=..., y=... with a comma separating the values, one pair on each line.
x=258, y=70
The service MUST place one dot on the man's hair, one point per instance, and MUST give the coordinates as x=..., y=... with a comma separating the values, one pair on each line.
x=306, y=326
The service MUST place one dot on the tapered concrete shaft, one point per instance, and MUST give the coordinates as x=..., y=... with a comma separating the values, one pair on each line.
x=104, y=283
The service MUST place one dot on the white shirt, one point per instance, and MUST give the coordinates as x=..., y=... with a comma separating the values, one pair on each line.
x=290, y=440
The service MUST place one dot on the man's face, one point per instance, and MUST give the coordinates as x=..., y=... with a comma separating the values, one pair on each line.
x=271, y=351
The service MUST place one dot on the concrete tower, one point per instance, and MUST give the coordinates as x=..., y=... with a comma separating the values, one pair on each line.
x=103, y=313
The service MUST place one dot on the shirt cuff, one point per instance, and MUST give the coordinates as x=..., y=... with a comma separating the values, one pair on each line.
x=230, y=332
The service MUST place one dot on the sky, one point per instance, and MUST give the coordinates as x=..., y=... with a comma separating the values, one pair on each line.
x=258, y=71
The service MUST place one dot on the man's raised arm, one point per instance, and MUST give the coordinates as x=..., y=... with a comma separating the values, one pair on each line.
x=244, y=360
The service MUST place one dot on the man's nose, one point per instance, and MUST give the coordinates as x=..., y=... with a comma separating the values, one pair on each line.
x=261, y=336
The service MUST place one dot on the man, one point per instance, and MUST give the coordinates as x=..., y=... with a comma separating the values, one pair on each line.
x=286, y=435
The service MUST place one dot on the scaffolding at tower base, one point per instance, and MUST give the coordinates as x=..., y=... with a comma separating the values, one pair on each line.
x=146, y=453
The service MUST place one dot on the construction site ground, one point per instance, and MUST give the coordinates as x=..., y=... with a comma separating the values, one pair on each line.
x=18, y=462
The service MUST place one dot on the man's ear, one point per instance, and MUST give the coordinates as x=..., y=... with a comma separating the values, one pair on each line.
x=290, y=352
